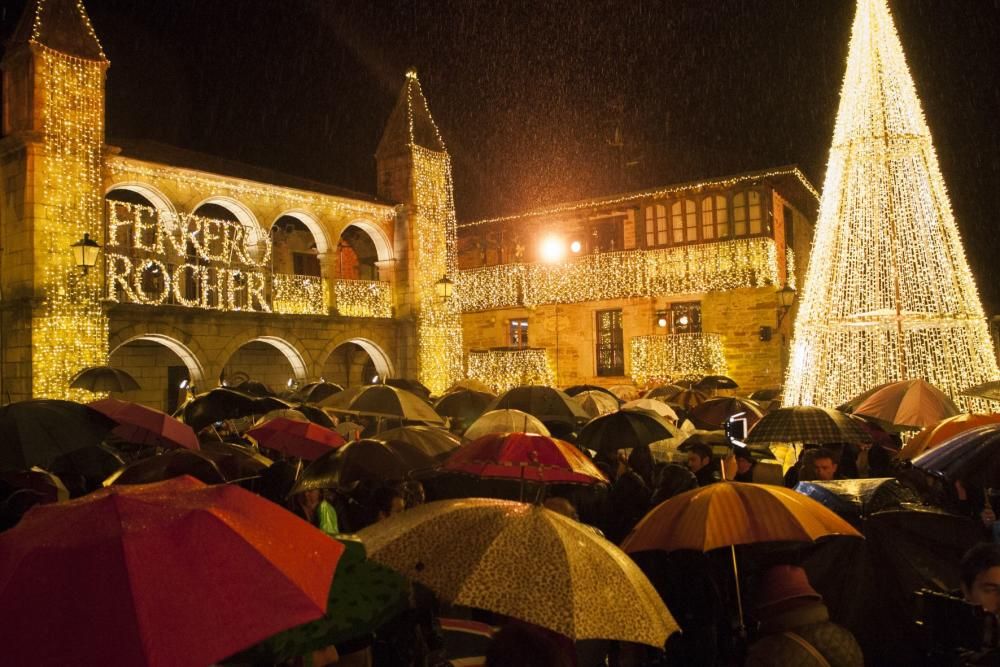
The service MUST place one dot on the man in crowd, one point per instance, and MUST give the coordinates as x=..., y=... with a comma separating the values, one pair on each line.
x=700, y=462
x=981, y=576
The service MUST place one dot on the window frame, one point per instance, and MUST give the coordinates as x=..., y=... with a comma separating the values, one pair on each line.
x=615, y=347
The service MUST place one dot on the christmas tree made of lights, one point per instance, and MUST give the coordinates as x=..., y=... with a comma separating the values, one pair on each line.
x=888, y=294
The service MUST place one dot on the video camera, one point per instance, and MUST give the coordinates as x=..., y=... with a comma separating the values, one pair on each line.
x=950, y=624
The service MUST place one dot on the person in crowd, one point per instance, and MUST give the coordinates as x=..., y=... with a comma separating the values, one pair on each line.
x=522, y=645
x=795, y=626
x=701, y=462
x=561, y=506
x=825, y=464
x=980, y=571
x=414, y=493
x=387, y=501
x=628, y=501
x=312, y=507
x=671, y=480
x=744, y=465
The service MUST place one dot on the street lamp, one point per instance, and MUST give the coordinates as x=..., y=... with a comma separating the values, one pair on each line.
x=444, y=288
x=786, y=297
x=85, y=253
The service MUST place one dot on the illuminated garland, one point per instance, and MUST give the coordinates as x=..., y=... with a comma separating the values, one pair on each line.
x=673, y=357
x=298, y=295
x=706, y=267
x=662, y=193
x=363, y=298
x=506, y=369
x=888, y=294
x=69, y=330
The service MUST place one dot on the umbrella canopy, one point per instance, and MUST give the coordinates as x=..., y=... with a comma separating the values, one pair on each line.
x=168, y=465
x=766, y=395
x=664, y=392
x=686, y=398
x=625, y=392
x=163, y=574
x=368, y=459
x=296, y=438
x=236, y=462
x=36, y=432
x=349, y=430
x=944, y=430
x=988, y=390
x=526, y=562
x=473, y=384
x=103, y=378
x=625, y=429
x=314, y=392
x=807, y=424
x=969, y=456
x=730, y=513
x=505, y=421
x=145, y=426
x=253, y=388
x=652, y=405
x=464, y=405
x=715, y=412
x=223, y=403
x=379, y=400
x=415, y=387
x=546, y=403
x=909, y=404
x=526, y=456
x=712, y=382
x=580, y=388
x=432, y=441
x=41, y=485
x=596, y=403
x=300, y=412
x=364, y=595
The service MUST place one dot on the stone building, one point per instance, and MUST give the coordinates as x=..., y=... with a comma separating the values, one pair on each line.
x=664, y=284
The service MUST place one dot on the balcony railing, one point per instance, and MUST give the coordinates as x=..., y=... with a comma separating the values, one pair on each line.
x=298, y=295
x=363, y=298
x=506, y=368
x=676, y=357
x=705, y=267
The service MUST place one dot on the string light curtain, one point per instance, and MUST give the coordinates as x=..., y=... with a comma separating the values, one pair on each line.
x=673, y=357
x=888, y=294
x=505, y=369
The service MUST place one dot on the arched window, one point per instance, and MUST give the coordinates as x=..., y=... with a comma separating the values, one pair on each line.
x=714, y=218
x=747, y=213
x=656, y=225
x=684, y=221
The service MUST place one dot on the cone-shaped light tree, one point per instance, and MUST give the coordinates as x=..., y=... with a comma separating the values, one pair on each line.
x=888, y=294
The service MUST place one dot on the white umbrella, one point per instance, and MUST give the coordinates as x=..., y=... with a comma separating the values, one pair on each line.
x=596, y=403
x=653, y=405
x=505, y=421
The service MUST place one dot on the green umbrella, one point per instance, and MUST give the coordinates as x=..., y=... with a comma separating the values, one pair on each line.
x=364, y=595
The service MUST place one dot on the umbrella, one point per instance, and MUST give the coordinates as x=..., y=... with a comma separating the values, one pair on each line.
x=349, y=430
x=908, y=404
x=463, y=406
x=988, y=390
x=40, y=484
x=807, y=424
x=625, y=392
x=625, y=429
x=970, y=455
x=664, y=392
x=382, y=401
x=415, y=387
x=687, y=398
x=432, y=441
x=766, y=395
x=253, y=388
x=715, y=412
x=580, y=388
x=296, y=438
x=473, y=384
x=163, y=574
x=527, y=456
x=145, y=426
x=652, y=405
x=36, y=432
x=103, y=378
x=236, y=462
x=364, y=595
x=300, y=412
x=935, y=434
x=526, y=562
x=712, y=382
x=315, y=392
x=169, y=464
x=546, y=403
x=505, y=421
x=223, y=403
x=367, y=459
x=596, y=403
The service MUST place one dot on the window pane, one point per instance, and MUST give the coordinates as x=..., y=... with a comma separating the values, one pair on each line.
x=721, y=217
x=610, y=343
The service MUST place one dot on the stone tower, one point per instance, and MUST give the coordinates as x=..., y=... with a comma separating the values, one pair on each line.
x=50, y=162
x=414, y=170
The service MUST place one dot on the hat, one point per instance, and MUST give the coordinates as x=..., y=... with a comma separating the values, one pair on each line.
x=782, y=583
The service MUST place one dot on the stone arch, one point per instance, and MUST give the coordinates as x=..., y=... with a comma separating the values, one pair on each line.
x=382, y=362
x=241, y=212
x=159, y=200
x=383, y=247
x=312, y=224
x=195, y=369
x=288, y=350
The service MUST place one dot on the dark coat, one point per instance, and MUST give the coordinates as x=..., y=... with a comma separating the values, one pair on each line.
x=811, y=622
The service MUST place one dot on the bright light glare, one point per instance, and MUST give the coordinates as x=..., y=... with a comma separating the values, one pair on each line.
x=575, y=247
x=553, y=249
x=683, y=321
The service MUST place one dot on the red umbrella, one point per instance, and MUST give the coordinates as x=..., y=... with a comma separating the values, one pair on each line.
x=146, y=426
x=305, y=440
x=174, y=573
x=524, y=456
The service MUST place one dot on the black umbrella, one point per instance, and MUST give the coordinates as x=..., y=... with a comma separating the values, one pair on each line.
x=236, y=462
x=36, y=432
x=625, y=429
x=434, y=442
x=103, y=378
x=368, y=460
x=413, y=386
x=664, y=392
x=969, y=456
x=765, y=395
x=580, y=388
x=172, y=463
x=314, y=392
x=546, y=403
x=315, y=415
x=224, y=403
x=253, y=388
x=464, y=406
x=383, y=401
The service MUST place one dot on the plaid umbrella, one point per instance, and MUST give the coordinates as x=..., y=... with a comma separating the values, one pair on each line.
x=807, y=424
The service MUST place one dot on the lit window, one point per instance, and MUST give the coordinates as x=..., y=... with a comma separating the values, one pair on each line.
x=517, y=332
x=685, y=317
x=714, y=218
x=747, y=213
x=610, y=343
x=684, y=221
x=656, y=225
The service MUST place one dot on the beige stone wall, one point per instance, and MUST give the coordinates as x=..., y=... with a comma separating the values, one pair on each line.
x=260, y=362
x=148, y=363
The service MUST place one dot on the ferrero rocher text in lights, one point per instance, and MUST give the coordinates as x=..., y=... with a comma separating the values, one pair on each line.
x=888, y=294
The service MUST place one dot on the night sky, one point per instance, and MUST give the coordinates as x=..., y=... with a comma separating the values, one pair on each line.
x=546, y=101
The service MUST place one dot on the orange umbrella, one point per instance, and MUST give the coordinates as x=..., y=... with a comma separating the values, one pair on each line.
x=935, y=434
x=908, y=404
x=730, y=513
